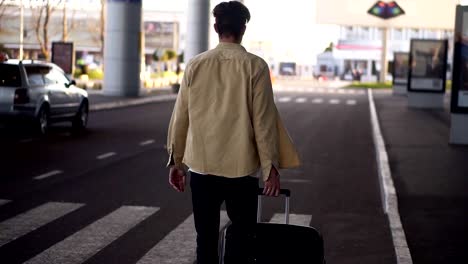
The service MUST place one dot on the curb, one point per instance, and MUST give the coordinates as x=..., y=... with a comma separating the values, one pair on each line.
x=388, y=192
x=132, y=102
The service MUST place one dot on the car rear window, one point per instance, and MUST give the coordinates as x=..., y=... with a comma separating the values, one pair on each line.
x=9, y=75
x=36, y=74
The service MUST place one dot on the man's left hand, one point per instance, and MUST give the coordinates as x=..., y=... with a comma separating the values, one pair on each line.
x=177, y=179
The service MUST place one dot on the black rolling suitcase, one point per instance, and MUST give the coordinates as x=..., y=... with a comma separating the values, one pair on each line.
x=282, y=243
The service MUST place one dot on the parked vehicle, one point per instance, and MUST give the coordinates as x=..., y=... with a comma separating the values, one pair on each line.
x=40, y=93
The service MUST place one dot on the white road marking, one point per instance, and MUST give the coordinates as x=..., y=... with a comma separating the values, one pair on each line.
x=284, y=99
x=341, y=91
x=80, y=246
x=390, y=199
x=179, y=246
x=334, y=101
x=27, y=140
x=301, y=100
x=31, y=220
x=332, y=91
x=352, y=91
x=48, y=174
x=147, y=142
x=317, y=101
x=2, y=202
x=106, y=155
x=296, y=181
x=351, y=102
x=320, y=90
x=294, y=219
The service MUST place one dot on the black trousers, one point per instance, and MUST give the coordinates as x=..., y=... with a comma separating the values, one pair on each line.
x=240, y=197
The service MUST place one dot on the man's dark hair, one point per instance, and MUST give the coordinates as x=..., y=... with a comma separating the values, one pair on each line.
x=231, y=18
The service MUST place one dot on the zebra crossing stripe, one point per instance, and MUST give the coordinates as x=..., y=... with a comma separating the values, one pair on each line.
x=284, y=99
x=294, y=219
x=351, y=102
x=301, y=100
x=2, y=202
x=179, y=245
x=317, y=101
x=334, y=101
x=82, y=245
x=31, y=220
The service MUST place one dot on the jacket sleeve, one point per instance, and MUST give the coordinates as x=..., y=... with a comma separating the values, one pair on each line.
x=178, y=126
x=264, y=119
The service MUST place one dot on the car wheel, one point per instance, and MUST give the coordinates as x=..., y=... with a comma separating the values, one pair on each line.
x=43, y=121
x=81, y=119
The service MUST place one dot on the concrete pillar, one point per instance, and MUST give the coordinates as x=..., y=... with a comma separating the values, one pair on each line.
x=122, y=48
x=198, y=28
x=384, y=59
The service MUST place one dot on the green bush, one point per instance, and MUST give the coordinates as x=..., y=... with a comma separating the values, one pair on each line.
x=76, y=73
x=165, y=74
x=372, y=85
x=96, y=74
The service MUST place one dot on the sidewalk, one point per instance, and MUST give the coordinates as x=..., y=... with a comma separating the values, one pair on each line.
x=431, y=179
x=98, y=101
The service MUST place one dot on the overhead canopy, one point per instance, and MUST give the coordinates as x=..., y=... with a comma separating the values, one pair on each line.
x=434, y=14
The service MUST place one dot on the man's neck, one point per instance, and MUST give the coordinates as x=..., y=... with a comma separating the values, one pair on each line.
x=230, y=40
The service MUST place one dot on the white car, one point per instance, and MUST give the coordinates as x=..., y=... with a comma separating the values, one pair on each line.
x=41, y=93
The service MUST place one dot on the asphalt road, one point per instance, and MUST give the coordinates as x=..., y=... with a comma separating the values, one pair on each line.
x=102, y=196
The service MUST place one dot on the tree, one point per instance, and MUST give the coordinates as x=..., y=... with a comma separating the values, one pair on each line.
x=330, y=47
x=41, y=19
x=3, y=7
x=102, y=24
x=168, y=56
x=7, y=11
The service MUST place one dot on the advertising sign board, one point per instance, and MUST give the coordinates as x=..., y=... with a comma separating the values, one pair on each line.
x=63, y=55
x=400, y=68
x=428, y=65
x=460, y=62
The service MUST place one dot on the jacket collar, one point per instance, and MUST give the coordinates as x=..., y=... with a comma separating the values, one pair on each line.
x=225, y=45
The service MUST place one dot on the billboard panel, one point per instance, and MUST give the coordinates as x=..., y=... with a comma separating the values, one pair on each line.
x=434, y=14
x=63, y=55
x=460, y=63
x=400, y=68
x=160, y=35
x=428, y=65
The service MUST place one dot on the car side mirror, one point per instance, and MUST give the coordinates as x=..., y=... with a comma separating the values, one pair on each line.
x=72, y=82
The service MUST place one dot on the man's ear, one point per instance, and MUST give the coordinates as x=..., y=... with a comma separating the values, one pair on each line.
x=215, y=26
x=243, y=30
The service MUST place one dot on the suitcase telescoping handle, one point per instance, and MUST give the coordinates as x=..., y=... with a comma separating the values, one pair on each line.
x=285, y=192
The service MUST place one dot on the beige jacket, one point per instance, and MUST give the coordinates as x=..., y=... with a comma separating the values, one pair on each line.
x=225, y=121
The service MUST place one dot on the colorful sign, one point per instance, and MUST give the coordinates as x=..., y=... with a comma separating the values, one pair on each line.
x=385, y=10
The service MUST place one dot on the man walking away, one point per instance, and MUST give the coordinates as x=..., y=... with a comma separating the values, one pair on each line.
x=225, y=128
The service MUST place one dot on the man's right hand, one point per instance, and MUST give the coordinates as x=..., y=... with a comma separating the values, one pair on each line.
x=272, y=185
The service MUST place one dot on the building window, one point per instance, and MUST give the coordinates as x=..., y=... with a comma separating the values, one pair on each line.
x=415, y=33
x=397, y=34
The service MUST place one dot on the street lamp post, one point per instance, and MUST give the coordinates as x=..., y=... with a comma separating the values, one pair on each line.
x=21, y=31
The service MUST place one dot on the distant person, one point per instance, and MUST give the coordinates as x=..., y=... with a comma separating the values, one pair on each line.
x=225, y=128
